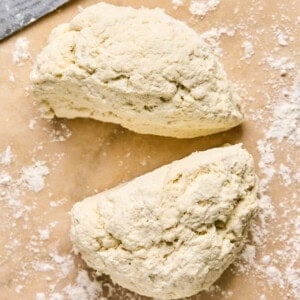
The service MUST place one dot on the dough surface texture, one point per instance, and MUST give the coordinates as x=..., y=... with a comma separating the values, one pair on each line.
x=171, y=232
x=139, y=68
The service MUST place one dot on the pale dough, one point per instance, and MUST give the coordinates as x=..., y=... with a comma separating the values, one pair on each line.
x=136, y=67
x=171, y=232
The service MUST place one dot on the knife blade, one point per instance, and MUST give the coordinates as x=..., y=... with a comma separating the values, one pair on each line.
x=16, y=14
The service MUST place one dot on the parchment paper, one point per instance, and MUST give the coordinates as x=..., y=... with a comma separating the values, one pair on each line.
x=98, y=156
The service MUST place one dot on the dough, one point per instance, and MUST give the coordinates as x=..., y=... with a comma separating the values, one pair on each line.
x=172, y=232
x=136, y=67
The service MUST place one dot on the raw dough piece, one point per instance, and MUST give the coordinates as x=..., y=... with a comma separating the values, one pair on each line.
x=172, y=232
x=136, y=67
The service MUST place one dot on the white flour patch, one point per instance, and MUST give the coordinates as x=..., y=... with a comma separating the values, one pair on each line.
x=202, y=7
x=11, y=77
x=283, y=64
x=4, y=178
x=21, y=51
x=34, y=176
x=44, y=234
x=64, y=263
x=281, y=131
x=282, y=39
x=248, y=50
x=285, y=173
x=32, y=124
x=84, y=288
x=40, y=296
x=6, y=156
x=286, y=117
x=177, y=3
x=212, y=38
x=43, y=266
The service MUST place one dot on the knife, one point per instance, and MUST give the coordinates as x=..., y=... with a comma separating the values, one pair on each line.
x=16, y=14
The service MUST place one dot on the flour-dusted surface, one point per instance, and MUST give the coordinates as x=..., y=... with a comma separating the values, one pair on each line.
x=34, y=226
x=138, y=68
x=171, y=233
x=202, y=7
x=21, y=51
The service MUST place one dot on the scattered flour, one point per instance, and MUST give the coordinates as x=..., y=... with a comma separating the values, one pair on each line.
x=21, y=52
x=34, y=176
x=6, y=156
x=212, y=38
x=249, y=253
x=40, y=296
x=248, y=50
x=282, y=64
x=65, y=263
x=202, y=7
x=84, y=288
x=32, y=124
x=177, y=3
x=275, y=276
x=44, y=234
x=285, y=173
x=5, y=178
x=282, y=39
x=43, y=266
x=58, y=203
x=279, y=267
x=11, y=77
x=283, y=128
x=19, y=288
x=286, y=117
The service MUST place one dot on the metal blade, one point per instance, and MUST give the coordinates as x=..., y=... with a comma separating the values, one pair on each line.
x=16, y=14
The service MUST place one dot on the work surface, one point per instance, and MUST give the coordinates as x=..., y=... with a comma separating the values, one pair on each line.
x=47, y=166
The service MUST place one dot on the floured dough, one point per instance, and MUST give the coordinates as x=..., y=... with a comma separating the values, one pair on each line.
x=136, y=67
x=172, y=232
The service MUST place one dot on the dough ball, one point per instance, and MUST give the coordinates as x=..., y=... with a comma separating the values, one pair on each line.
x=139, y=68
x=171, y=232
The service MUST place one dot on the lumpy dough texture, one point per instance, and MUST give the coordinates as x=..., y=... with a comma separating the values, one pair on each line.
x=136, y=67
x=171, y=232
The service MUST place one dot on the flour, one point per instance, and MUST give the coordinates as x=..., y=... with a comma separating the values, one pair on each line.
x=84, y=288
x=277, y=223
x=286, y=116
x=21, y=51
x=6, y=156
x=282, y=128
x=40, y=296
x=43, y=266
x=275, y=276
x=34, y=176
x=44, y=234
x=4, y=178
x=58, y=202
x=11, y=77
x=282, y=39
x=202, y=7
x=56, y=296
x=293, y=279
x=64, y=264
x=248, y=254
x=283, y=64
x=212, y=38
x=248, y=50
x=32, y=124
x=177, y=3
x=285, y=173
